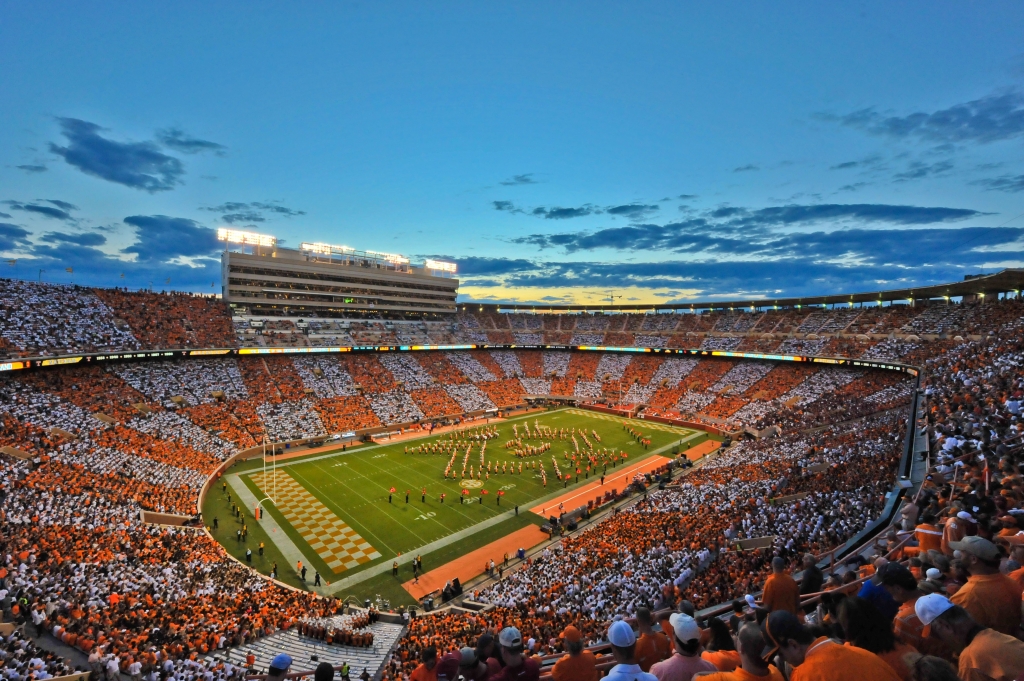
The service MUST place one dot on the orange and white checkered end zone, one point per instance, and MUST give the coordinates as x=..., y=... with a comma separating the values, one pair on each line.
x=327, y=534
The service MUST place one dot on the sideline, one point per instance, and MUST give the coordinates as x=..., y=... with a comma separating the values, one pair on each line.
x=470, y=565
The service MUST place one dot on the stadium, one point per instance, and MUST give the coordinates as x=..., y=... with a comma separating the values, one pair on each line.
x=238, y=478
x=511, y=341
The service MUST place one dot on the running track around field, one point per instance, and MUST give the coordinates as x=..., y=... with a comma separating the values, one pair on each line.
x=616, y=479
x=472, y=564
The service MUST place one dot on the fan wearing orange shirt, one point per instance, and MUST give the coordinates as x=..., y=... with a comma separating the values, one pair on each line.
x=781, y=592
x=652, y=646
x=752, y=666
x=820, y=659
x=579, y=664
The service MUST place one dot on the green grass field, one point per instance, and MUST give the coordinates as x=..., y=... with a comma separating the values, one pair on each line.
x=354, y=486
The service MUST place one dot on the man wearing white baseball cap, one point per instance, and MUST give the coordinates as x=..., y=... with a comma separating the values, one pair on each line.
x=686, y=661
x=623, y=641
x=984, y=650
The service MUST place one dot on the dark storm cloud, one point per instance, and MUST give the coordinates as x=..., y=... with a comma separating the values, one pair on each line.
x=162, y=238
x=988, y=119
x=177, y=139
x=139, y=165
x=32, y=168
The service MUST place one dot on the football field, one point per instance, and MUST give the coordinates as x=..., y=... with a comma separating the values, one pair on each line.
x=332, y=509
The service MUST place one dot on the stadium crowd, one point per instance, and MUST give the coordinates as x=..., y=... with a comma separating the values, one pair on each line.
x=76, y=561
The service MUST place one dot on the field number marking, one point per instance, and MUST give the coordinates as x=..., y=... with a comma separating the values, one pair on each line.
x=507, y=487
x=426, y=516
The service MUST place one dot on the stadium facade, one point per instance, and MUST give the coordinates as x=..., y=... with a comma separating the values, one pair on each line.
x=324, y=280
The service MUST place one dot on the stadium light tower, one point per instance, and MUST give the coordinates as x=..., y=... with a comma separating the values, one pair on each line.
x=611, y=297
x=243, y=238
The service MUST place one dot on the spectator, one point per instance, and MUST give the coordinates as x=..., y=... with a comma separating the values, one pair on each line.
x=623, y=641
x=652, y=646
x=686, y=661
x=990, y=597
x=279, y=667
x=752, y=665
x=721, y=650
x=579, y=664
x=781, y=591
x=812, y=579
x=865, y=627
x=324, y=672
x=471, y=667
x=518, y=667
x=820, y=659
x=907, y=627
x=981, y=649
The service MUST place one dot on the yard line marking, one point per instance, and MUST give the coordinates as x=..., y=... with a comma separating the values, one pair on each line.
x=339, y=545
x=365, y=527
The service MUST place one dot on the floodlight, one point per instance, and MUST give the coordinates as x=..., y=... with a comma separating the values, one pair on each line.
x=238, y=236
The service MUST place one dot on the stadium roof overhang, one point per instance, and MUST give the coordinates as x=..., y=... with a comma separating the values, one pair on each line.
x=1008, y=280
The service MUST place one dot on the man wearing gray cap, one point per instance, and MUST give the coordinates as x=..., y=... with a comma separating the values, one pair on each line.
x=990, y=597
x=686, y=661
x=518, y=667
x=623, y=641
x=472, y=668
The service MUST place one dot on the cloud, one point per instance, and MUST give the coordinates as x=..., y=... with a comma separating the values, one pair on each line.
x=988, y=119
x=507, y=206
x=853, y=186
x=633, y=211
x=12, y=236
x=59, y=210
x=176, y=139
x=235, y=218
x=236, y=212
x=162, y=238
x=61, y=204
x=559, y=213
x=686, y=197
x=483, y=266
x=139, y=165
x=745, y=169
x=919, y=170
x=872, y=161
x=84, y=239
x=790, y=264
x=518, y=180
x=738, y=231
x=1004, y=183
x=32, y=168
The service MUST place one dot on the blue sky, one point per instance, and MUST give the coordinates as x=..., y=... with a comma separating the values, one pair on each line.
x=554, y=150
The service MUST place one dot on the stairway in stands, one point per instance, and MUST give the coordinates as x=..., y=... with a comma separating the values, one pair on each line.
x=302, y=648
